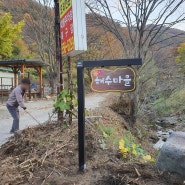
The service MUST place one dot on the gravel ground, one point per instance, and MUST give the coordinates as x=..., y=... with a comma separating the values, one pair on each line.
x=40, y=110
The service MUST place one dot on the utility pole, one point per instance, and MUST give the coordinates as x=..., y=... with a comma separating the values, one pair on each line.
x=58, y=54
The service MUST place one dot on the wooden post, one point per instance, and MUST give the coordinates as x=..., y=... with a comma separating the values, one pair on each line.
x=22, y=71
x=1, y=83
x=15, y=76
x=12, y=83
x=58, y=54
x=29, y=91
x=40, y=78
x=1, y=89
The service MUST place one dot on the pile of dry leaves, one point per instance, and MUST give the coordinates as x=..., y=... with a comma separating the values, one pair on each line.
x=48, y=155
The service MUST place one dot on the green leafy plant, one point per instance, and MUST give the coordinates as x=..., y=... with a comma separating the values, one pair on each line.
x=66, y=101
x=106, y=131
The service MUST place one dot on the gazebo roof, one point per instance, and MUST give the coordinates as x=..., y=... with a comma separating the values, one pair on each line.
x=19, y=63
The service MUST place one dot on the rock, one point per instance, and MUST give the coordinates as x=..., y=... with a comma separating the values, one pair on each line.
x=172, y=155
x=157, y=121
x=159, y=133
x=154, y=138
x=166, y=134
x=170, y=131
x=166, y=122
x=159, y=144
x=48, y=97
x=159, y=127
x=172, y=121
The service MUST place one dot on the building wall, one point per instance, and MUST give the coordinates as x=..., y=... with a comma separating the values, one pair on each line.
x=6, y=80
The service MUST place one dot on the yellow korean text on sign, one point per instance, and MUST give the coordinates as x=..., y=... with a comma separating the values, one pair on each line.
x=65, y=5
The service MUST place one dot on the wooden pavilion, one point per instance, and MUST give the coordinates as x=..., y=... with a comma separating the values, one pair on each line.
x=20, y=66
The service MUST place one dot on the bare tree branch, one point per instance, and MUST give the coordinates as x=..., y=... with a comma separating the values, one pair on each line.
x=146, y=21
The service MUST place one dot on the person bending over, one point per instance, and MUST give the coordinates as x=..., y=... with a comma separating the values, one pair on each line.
x=15, y=100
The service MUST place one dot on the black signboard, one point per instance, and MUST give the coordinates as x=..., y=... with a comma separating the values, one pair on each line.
x=81, y=95
x=118, y=80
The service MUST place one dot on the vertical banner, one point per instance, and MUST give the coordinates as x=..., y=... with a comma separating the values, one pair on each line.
x=73, y=27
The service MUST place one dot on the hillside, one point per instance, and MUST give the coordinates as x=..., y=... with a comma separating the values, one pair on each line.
x=38, y=36
x=169, y=33
x=31, y=10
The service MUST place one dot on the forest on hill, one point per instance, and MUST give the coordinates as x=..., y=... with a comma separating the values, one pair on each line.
x=159, y=77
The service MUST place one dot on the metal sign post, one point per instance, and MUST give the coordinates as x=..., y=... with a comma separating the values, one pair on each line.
x=81, y=115
x=81, y=98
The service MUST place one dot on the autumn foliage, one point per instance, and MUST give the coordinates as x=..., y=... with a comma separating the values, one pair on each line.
x=9, y=34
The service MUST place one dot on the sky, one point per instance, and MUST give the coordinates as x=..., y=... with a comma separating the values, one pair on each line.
x=180, y=26
x=114, y=8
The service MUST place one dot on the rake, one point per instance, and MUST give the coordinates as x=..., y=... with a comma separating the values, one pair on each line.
x=33, y=118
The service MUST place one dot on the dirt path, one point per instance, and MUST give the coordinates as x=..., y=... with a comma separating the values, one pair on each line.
x=40, y=110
